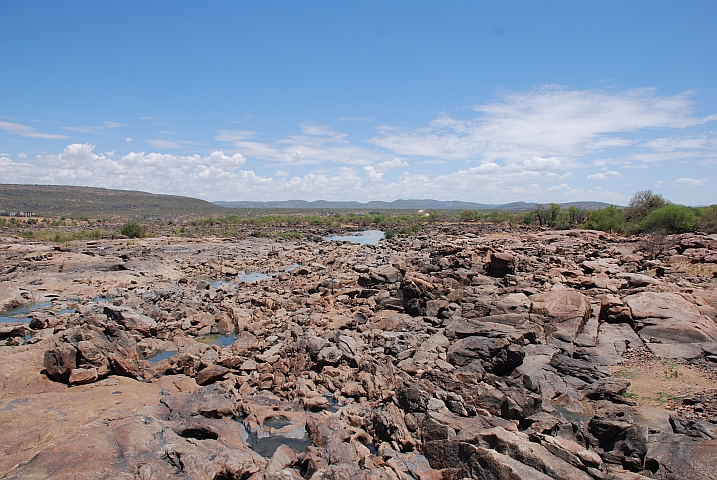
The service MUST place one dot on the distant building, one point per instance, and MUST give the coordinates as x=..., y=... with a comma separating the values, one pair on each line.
x=3, y=213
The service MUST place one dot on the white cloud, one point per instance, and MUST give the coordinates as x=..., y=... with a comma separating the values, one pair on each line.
x=671, y=144
x=27, y=131
x=539, y=164
x=395, y=163
x=547, y=121
x=555, y=177
x=690, y=182
x=281, y=173
x=156, y=172
x=372, y=174
x=21, y=155
x=659, y=184
x=316, y=144
x=219, y=176
x=605, y=175
x=114, y=124
x=127, y=139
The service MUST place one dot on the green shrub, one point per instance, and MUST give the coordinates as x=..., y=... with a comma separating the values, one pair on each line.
x=670, y=219
x=708, y=219
x=468, y=216
x=132, y=230
x=608, y=219
x=389, y=234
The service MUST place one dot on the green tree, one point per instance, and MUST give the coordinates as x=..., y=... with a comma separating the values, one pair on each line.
x=543, y=214
x=670, y=219
x=641, y=204
x=574, y=215
x=468, y=216
x=608, y=219
x=708, y=219
x=132, y=230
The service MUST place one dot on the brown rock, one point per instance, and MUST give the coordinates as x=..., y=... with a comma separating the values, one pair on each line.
x=81, y=376
x=501, y=264
x=211, y=374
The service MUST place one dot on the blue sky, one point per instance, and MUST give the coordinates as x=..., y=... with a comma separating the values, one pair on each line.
x=490, y=102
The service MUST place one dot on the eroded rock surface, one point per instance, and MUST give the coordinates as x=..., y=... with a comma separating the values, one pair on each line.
x=451, y=354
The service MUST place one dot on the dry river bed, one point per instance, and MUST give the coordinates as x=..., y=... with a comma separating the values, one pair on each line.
x=462, y=352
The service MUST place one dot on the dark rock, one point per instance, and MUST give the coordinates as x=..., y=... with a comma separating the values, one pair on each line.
x=501, y=264
x=624, y=443
x=211, y=374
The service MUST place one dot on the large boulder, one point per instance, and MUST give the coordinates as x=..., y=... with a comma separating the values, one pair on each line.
x=563, y=312
x=131, y=320
x=86, y=353
x=501, y=264
x=671, y=325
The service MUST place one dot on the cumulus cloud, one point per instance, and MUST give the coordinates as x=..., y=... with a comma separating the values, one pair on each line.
x=27, y=131
x=605, y=175
x=395, y=163
x=539, y=164
x=555, y=177
x=78, y=164
x=690, y=182
x=219, y=176
x=372, y=174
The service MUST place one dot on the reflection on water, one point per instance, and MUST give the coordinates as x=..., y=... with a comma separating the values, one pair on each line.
x=21, y=314
x=367, y=237
x=252, y=276
x=103, y=299
x=217, y=339
x=277, y=422
x=160, y=355
x=266, y=445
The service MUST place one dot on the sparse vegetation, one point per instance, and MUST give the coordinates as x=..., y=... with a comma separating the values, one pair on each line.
x=133, y=230
x=62, y=237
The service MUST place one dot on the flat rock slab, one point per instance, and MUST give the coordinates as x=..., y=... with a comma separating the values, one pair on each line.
x=37, y=422
x=669, y=318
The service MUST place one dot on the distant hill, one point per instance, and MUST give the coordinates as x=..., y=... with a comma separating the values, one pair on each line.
x=404, y=205
x=90, y=202
x=56, y=201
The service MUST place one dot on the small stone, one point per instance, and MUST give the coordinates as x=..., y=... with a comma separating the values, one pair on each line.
x=82, y=376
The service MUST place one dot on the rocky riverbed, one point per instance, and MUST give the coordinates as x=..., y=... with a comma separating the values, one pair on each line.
x=461, y=352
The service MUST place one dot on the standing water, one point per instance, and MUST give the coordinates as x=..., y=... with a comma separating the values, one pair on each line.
x=367, y=237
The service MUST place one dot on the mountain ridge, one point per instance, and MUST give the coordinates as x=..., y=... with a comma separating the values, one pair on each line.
x=409, y=204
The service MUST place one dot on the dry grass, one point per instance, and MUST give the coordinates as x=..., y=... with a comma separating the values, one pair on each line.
x=662, y=383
